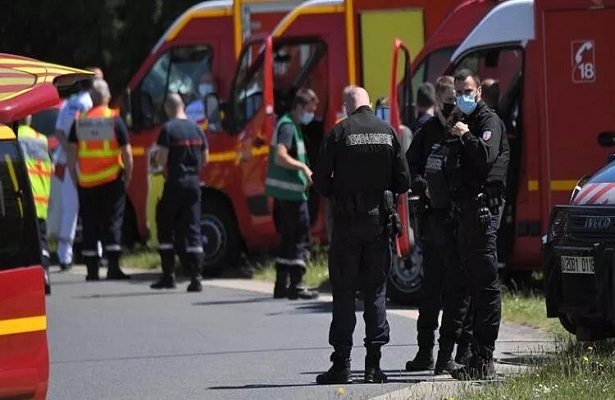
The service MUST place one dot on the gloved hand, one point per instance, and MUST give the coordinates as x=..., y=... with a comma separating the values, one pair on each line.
x=495, y=196
x=419, y=186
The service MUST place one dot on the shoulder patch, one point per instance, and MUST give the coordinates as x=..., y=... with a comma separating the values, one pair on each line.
x=486, y=135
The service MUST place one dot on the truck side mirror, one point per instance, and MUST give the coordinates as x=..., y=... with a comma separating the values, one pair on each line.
x=606, y=139
x=126, y=108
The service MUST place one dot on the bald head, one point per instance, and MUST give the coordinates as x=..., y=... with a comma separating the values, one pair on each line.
x=174, y=106
x=98, y=74
x=355, y=98
x=100, y=92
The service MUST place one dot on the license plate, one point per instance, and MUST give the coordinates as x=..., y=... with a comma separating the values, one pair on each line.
x=577, y=265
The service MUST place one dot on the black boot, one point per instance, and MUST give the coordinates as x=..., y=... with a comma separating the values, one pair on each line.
x=373, y=373
x=481, y=367
x=281, y=281
x=167, y=278
x=92, y=265
x=444, y=362
x=296, y=290
x=423, y=361
x=113, y=270
x=195, y=272
x=464, y=353
x=339, y=373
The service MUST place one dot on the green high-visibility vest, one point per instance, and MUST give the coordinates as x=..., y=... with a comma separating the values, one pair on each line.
x=38, y=163
x=283, y=183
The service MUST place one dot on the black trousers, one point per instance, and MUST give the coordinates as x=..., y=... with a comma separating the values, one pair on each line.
x=178, y=220
x=292, y=222
x=440, y=258
x=359, y=257
x=478, y=250
x=102, y=214
x=42, y=232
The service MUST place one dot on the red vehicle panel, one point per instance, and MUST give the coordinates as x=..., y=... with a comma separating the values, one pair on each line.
x=27, y=87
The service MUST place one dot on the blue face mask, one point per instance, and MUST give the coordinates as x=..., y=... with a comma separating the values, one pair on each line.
x=384, y=114
x=466, y=103
x=306, y=118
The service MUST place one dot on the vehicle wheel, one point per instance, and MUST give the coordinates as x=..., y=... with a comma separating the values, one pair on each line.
x=567, y=323
x=406, y=278
x=221, y=238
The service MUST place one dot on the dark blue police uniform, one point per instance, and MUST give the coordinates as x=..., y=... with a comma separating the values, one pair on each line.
x=484, y=162
x=360, y=161
x=178, y=212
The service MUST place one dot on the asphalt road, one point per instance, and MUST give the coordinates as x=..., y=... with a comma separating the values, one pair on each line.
x=122, y=340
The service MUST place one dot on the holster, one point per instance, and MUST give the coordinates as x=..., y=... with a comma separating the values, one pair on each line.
x=389, y=206
x=483, y=214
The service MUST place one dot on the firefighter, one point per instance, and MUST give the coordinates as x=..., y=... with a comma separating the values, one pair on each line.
x=40, y=168
x=361, y=166
x=288, y=180
x=432, y=162
x=78, y=102
x=99, y=144
x=484, y=157
x=183, y=151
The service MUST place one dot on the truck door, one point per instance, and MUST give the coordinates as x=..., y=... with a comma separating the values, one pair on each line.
x=269, y=74
x=579, y=86
x=401, y=113
x=24, y=358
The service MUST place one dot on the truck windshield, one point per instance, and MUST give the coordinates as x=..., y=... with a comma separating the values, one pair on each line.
x=19, y=246
x=293, y=62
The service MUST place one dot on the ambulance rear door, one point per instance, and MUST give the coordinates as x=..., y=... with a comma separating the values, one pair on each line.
x=577, y=66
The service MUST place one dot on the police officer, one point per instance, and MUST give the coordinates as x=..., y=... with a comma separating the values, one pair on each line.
x=432, y=159
x=426, y=103
x=99, y=143
x=360, y=167
x=288, y=180
x=183, y=150
x=35, y=148
x=484, y=156
x=77, y=103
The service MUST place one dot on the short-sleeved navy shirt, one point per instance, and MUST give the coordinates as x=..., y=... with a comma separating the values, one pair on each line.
x=121, y=132
x=186, y=142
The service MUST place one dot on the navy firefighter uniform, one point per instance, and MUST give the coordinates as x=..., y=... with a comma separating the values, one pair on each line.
x=360, y=166
x=178, y=213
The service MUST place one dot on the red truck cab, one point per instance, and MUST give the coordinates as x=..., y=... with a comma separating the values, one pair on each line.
x=544, y=53
x=24, y=356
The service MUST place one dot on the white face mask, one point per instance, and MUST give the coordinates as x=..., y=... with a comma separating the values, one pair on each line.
x=205, y=88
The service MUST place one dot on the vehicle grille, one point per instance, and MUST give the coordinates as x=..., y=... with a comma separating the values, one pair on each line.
x=591, y=226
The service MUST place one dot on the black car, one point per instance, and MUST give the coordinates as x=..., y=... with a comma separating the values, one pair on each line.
x=579, y=256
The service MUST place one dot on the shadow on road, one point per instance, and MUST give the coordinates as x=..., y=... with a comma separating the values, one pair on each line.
x=241, y=301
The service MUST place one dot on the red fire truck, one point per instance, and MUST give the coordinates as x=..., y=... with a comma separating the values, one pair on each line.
x=544, y=54
x=26, y=87
x=236, y=214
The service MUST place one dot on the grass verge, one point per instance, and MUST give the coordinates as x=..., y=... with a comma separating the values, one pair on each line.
x=144, y=258
x=578, y=371
x=528, y=308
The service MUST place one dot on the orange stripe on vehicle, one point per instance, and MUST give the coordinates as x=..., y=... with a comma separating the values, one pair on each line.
x=23, y=325
x=556, y=185
x=138, y=151
x=209, y=13
x=304, y=10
